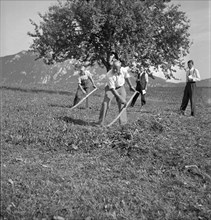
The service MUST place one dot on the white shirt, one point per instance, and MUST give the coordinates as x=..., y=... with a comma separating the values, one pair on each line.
x=114, y=80
x=192, y=74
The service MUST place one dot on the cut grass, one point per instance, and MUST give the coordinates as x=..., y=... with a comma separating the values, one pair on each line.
x=58, y=163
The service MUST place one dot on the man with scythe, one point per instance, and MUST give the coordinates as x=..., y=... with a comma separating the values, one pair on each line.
x=116, y=79
x=84, y=80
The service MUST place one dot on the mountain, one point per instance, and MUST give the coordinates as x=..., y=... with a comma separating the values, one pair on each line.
x=160, y=82
x=23, y=68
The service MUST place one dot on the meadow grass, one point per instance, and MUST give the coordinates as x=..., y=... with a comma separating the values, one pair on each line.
x=57, y=164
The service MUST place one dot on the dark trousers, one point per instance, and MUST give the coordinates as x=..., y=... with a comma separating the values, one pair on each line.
x=79, y=94
x=189, y=94
x=139, y=88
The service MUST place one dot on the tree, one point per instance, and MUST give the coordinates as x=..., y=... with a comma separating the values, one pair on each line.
x=90, y=30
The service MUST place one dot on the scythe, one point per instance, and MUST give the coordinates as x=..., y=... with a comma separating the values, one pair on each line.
x=83, y=99
x=123, y=109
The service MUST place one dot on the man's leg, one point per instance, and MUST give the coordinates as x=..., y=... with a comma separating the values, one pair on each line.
x=138, y=88
x=134, y=99
x=77, y=97
x=123, y=117
x=105, y=105
x=193, y=98
x=185, y=98
x=87, y=99
x=143, y=100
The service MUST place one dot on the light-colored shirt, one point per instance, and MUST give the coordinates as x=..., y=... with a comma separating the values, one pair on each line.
x=114, y=80
x=85, y=76
x=192, y=74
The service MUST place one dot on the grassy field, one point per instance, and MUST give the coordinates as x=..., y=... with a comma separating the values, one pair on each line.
x=57, y=164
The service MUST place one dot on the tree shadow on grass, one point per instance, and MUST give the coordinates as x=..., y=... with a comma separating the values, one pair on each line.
x=60, y=106
x=34, y=90
x=77, y=121
x=172, y=110
x=67, y=106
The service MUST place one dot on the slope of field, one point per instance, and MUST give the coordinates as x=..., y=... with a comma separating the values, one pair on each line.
x=58, y=164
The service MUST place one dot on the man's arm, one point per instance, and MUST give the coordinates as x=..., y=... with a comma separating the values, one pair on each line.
x=126, y=72
x=130, y=84
x=147, y=80
x=79, y=85
x=197, y=78
x=92, y=81
x=194, y=78
x=81, y=88
x=111, y=59
x=118, y=96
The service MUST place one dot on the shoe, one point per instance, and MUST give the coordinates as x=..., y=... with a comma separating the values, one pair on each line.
x=192, y=114
x=99, y=123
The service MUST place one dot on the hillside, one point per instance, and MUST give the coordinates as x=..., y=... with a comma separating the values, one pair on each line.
x=58, y=164
x=23, y=68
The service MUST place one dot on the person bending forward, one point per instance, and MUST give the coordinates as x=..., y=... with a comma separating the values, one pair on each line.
x=84, y=80
x=116, y=79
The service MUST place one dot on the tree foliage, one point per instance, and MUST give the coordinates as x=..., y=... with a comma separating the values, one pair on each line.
x=90, y=30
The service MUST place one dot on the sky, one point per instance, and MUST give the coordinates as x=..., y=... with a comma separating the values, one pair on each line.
x=15, y=24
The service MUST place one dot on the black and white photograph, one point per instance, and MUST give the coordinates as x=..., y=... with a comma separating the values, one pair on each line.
x=105, y=109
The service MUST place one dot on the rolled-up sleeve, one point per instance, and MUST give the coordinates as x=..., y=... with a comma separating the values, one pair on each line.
x=88, y=73
x=197, y=76
x=146, y=78
x=126, y=71
x=110, y=82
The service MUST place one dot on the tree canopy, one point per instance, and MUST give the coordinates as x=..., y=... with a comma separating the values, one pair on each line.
x=90, y=30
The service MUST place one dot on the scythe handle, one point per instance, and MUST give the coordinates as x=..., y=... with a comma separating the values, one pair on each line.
x=83, y=99
x=123, y=109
